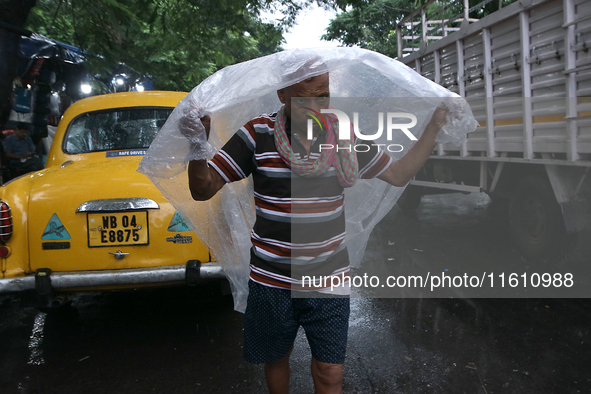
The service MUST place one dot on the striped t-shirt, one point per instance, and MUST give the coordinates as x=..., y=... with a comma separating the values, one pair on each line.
x=300, y=222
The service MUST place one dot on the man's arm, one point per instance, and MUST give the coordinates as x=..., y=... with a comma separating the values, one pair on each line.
x=204, y=181
x=13, y=156
x=400, y=172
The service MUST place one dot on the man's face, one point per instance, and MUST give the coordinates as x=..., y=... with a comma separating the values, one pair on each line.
x=312, y=87
x=21, y=133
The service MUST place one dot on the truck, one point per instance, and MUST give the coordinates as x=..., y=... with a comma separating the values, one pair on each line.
x=525, y=70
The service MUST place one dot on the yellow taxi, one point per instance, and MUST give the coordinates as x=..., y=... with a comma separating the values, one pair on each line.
x=89, y=221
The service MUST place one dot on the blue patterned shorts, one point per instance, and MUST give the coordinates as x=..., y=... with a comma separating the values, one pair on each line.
x=272, y=319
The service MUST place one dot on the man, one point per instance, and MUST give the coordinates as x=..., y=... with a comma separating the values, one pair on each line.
x=20, y=151
x=290, y=176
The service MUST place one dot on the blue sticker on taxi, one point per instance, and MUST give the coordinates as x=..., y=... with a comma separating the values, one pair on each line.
x=55, y=230
x=125, y=153
x=177, y=224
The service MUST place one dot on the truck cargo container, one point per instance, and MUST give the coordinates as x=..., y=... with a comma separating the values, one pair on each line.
x=526, y=72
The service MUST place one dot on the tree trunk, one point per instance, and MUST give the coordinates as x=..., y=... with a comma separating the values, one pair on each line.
x=13, y=15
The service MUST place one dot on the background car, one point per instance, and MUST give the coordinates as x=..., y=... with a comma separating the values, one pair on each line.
x=88, y=220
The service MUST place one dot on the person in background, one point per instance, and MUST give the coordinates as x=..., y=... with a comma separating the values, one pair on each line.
x=20, y=151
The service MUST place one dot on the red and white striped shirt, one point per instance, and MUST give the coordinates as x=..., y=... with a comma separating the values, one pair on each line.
x=300, y=222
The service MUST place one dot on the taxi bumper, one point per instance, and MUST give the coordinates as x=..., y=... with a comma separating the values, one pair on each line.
x=125, y=277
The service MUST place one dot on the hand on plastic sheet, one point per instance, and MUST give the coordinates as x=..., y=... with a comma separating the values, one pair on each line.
x=194, y=125
x=459, y=121
x=439, y=119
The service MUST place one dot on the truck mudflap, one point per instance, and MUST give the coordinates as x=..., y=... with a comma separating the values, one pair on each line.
x=577, y=215
x=572, y=189
x=125, y=277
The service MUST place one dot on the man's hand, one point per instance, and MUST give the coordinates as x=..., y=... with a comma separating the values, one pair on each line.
x=204, y=181
x=192, y=125
x=401, y=171
x=438, y=120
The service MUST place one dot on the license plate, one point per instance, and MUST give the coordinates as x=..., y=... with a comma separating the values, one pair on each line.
x=117, y=229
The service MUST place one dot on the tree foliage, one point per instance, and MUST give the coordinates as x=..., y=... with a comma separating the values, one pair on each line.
x=372, y=24
x=178, y=42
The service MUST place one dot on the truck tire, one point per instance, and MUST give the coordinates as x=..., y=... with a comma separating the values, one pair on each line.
x=535, y=219
x=410, y=199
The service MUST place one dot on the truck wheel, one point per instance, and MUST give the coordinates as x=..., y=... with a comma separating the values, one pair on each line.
x=410, y=199
x=536, y=220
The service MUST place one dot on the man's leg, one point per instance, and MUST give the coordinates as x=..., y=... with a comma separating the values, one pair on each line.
x=326, y=322
x=328, y=378
x=269, y=332
x=277, y=375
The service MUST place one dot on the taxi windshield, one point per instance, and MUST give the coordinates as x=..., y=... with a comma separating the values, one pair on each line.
x=130, y=128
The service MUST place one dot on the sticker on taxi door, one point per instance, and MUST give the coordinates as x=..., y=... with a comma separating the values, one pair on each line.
x=177, y=224
x=117, y=229
x=55, y=230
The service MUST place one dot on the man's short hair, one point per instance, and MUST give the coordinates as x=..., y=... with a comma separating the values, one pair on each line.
x=22, y=126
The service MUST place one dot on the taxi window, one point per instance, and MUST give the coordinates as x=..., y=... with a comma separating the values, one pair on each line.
x=133, y=128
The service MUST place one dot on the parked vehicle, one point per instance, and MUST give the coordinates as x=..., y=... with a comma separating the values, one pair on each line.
x=526, y=72
x=88, y=220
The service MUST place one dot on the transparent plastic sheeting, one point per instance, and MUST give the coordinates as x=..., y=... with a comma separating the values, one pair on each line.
x=238, y=93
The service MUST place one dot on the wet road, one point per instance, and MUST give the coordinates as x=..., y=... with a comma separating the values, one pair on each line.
x=189, y=340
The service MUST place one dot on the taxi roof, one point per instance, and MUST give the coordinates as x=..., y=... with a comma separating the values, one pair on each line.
x=126, y=99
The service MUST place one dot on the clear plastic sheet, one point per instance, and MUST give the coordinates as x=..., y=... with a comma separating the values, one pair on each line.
x=238, y=93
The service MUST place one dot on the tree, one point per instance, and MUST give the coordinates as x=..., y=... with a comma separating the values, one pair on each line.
x=372, y=24
x=178, y=42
